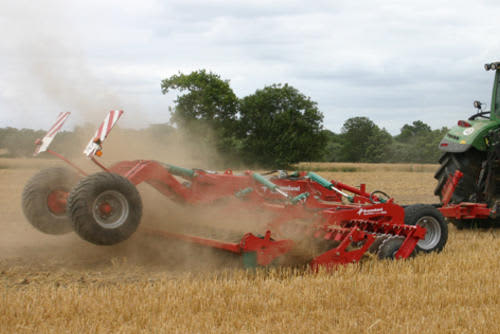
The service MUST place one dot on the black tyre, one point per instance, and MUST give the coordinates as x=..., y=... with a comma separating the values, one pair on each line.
x=389, y=247
x=105, y=208
x=44, y=200
x=472, y=224
x=429, y=217
x=469, y=163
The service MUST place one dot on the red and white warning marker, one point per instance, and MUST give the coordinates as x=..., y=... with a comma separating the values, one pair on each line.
x=102, y=132
x=43, y=144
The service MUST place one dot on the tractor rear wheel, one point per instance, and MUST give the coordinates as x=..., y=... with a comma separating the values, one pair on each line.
x=469, y=163
x=44, y=200
x=105, y=208
x=471, y=224
x=429, y=217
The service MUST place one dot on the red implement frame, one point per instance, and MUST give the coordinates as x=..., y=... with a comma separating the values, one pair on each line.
x=464, y=210
x=350, y=227
x=348, y=224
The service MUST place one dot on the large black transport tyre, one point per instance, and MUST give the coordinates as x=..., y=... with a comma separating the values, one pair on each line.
x=469, y=163
x=429, y=217
x=44, y=200
x=105, y=208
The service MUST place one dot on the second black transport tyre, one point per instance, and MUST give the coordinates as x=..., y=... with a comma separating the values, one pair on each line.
x=44, y=197
x=105, y=208
x=427, y=216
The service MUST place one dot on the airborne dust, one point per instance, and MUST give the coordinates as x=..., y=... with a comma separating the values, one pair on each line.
x=48, y=65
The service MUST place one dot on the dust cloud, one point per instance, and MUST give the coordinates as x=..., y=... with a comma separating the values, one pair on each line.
x=47, y=70
x=22, y=245
x=48, y=65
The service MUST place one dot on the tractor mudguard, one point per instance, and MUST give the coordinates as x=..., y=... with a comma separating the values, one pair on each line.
x=461, y=138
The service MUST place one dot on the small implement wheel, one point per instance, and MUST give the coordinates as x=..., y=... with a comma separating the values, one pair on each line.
x=429, y=217
x=389, y=247
x=44, y=200
x=105, y=208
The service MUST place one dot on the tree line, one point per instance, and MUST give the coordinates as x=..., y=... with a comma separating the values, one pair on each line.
x=361, y=140
x=274, y=127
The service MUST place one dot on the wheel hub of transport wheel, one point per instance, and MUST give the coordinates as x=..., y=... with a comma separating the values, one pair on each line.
x=56, y=202
x=433, y=234
x=110, y=209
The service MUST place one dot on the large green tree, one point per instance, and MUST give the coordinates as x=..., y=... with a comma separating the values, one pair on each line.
x=364, y=141
x=206, y=107
x=206, y=97
x=279, y=126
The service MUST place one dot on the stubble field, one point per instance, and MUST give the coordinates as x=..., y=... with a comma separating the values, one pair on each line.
x=65, y=285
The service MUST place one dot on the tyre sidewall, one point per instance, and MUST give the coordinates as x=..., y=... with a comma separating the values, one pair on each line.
x=414, y=213
x=35, y=196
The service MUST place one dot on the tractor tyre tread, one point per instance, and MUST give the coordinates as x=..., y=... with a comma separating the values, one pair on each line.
x=469, y=163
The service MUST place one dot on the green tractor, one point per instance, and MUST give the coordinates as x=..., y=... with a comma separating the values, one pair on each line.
x=473, y=148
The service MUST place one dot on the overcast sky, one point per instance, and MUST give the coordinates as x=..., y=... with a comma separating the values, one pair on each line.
x=391, y=61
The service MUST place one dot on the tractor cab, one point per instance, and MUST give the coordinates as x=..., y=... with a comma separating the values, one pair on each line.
x=471, y=133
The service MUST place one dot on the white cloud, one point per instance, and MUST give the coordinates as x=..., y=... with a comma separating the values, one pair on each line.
x=392, y=61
